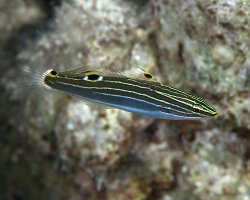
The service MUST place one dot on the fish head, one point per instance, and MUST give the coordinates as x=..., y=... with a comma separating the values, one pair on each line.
x=49, y=78
x=53, y=79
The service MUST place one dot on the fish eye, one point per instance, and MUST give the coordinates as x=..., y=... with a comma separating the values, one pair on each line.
x=148, y=75
x=53, y=72
x=93, y=77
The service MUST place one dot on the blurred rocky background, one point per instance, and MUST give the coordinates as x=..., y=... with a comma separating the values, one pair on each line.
x=56, y=147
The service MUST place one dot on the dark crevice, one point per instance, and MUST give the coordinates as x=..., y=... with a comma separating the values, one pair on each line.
x=11, y=44
x=27, y=33
x=180, y=52
x=49, y=7
x=157, y=52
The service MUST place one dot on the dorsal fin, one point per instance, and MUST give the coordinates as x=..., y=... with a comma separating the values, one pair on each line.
x=108, y=70
x=145, y=75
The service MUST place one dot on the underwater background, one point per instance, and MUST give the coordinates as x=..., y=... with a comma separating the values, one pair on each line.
x=53, y=146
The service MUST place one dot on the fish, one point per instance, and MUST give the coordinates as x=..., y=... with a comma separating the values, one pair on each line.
x=140, y=94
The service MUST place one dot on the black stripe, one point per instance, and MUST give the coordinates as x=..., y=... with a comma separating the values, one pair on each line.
x=149, y=91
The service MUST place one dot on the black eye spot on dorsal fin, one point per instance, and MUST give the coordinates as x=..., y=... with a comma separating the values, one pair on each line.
x=148, y=75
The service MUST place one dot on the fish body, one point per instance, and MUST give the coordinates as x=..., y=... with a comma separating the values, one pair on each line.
x=142, y=95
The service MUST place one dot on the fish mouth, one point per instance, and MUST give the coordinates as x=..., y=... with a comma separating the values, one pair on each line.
x=48, y=79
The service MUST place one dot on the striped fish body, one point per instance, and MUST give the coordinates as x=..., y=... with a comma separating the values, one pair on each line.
x=141, y=96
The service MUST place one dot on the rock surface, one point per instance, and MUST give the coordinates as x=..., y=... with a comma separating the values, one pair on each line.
x=53, y=146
